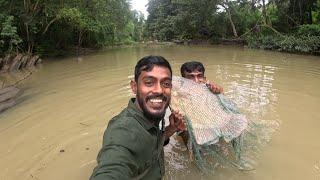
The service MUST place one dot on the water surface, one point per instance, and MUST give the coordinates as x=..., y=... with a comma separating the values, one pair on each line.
x=55, y=132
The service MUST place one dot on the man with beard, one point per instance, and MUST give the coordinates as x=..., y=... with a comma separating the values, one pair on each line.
x=133, y=142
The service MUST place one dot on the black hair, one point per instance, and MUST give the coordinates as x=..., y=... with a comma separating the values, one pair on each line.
x=191, y=66
x=148, y=62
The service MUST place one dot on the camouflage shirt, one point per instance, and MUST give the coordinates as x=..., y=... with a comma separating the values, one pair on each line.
x=130, y=148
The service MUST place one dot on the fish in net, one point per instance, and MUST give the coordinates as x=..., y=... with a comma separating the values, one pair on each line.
x=218, y=134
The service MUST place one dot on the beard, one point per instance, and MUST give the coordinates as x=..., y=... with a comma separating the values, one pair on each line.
x=159, y=114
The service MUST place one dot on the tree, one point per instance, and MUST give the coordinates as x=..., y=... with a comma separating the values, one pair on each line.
x=227, y=6
x=51, y=26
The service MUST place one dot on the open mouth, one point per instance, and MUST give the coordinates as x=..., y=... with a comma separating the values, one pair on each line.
x=156, y=102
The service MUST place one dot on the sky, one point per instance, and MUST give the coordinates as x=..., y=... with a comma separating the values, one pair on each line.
x=140, y=5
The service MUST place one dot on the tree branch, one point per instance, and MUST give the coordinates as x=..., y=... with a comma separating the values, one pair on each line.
x=49, y=24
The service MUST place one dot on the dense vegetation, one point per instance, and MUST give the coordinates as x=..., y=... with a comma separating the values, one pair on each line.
x=284, y=25
x=52, y=27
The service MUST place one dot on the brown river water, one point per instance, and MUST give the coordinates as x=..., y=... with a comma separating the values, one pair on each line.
x=56, y=129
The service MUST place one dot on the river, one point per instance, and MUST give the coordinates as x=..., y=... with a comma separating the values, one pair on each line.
x=56, y=129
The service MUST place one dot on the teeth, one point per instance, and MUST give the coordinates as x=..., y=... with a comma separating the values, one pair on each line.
x=156, y=100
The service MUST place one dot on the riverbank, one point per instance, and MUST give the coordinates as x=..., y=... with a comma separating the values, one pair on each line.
x=287, y=44
x=9, y=65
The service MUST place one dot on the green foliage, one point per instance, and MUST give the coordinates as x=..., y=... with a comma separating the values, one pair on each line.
x=284, y=25
x=289, y=43
x=198, y=19
x=180, y=19
x=138, y=24
x=53, y=27
x=8, y=35
x=59, y=25
x=306, y=39
x=309, y=30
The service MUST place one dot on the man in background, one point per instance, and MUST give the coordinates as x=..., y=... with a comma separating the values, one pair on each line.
x=195, y=70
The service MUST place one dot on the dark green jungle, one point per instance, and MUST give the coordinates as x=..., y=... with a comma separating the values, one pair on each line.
x=58, y=27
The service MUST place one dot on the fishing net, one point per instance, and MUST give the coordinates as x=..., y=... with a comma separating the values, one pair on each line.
x=218, y=134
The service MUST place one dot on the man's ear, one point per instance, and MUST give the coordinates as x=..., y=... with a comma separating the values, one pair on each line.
x=133, y=85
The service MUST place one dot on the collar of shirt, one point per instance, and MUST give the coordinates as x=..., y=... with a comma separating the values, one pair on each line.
x=138, y=115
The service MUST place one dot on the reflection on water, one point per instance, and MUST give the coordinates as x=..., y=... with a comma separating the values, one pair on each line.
x=67, y=103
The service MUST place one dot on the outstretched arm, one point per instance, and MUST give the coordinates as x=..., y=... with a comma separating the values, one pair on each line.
x=114, y=162
x=116, y=159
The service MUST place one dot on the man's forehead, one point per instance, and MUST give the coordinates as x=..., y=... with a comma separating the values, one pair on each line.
x=157, y=72
x=195, y=72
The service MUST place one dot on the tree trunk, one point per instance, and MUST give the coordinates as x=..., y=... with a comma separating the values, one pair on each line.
x=28, y=37
x=15, y=64
x=227, y=8
x=264, y=12
x=233, y=26
x=49, y=24
x=301, y=14
x=253, y=3
x=79, y=41
x=32, y=61
x=310, y=20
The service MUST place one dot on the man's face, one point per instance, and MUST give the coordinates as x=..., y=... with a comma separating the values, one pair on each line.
x=153, y=91
x=196, y=76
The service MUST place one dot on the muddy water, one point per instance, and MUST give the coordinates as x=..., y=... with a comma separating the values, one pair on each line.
x=56, y=130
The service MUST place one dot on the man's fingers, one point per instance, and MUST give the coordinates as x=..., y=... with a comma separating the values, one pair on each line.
x=177, y=120
x=215, y=88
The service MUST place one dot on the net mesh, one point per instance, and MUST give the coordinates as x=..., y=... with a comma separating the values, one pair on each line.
x=218, y=133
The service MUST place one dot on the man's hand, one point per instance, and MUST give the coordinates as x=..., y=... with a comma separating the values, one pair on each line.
x=214, y=88
x=176, y=124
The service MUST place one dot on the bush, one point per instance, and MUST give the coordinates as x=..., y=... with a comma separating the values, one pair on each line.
x=288, y=43
x=215, y=40
x=270, y=42
x=309, y=30
x=9, y=38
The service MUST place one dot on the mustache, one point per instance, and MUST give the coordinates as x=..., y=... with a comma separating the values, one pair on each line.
x=160, y=96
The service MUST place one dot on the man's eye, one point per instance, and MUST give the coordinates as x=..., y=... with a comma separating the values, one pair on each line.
x=167, y=84
x=148, y=83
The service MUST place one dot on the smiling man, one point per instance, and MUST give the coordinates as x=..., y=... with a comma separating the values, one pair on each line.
x=133, y=142
x=194, y=71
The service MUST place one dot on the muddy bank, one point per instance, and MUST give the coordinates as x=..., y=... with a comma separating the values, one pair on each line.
x=10, y=65
x=219, y=41
x=8, y=97
x=15, y=62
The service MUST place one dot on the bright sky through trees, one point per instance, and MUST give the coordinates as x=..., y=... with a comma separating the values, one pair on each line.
x=140, y=5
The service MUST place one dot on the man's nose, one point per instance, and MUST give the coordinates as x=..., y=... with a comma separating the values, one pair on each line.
x=157, y=88
x=196, y=79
